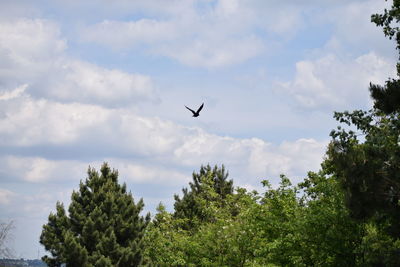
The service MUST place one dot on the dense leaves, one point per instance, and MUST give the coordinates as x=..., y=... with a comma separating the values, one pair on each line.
x=210, y=187
x=387, y=97
x=366, y=162
x=307, y=224
x=103, y=227
x=280, y=227
x=364, y=156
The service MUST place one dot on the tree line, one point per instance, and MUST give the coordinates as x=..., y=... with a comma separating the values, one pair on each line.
x=345, y=214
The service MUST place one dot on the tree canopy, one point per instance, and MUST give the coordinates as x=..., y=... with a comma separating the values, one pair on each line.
x=103, y=226
x=210, y=187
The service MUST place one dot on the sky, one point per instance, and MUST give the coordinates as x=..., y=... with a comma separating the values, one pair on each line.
x=87, y=82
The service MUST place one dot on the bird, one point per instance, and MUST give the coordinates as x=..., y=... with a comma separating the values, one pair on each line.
x=195, y=113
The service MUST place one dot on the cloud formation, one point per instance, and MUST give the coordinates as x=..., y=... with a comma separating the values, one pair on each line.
x=33, y=54
x=330, y=81
x=5, y=196
x=200, y=35
x=122, y=132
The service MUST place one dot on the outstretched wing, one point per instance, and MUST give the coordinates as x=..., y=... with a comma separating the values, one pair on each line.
x=200, y=108
x=190, y=110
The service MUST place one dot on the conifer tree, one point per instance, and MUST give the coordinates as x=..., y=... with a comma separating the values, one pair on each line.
x=103, y=226
x=210, y=185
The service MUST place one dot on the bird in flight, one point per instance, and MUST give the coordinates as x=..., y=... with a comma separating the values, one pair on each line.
x=195, y=113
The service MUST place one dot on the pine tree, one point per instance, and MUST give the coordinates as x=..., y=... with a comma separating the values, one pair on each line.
x=210, y=185
x=103, y=227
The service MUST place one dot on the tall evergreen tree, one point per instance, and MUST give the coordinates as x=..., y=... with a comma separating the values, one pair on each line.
x=103, y=227
x=210, y=185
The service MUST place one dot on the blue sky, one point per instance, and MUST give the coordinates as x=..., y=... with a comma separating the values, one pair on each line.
x=81, y=84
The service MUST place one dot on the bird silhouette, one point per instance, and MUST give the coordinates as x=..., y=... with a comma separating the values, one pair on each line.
x=196, y=113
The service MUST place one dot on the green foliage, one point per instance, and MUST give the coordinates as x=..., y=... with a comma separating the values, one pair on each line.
x=387, y=97
x=208, y=228
x=365, y=161
x=328, y=232
x=364, y=157
x=387, y=21
x=280, y=227
x=103, y=227
x=377, y=248
x=207, y=192
x=368, y=168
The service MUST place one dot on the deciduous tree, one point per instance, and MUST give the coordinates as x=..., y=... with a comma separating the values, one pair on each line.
x=5, y=235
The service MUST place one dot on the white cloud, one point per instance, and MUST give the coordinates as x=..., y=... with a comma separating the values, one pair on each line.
x=354, y=26
x=304, y=154
x=331, y=82
x=27, y=41
x=88, y=83
x=212, y=53
x=254, y=157
x=27, y=121
x=125, y=34
x=5, y=196
x=122, y=132
x=48, y=171
x=194, y=43
x=32, y=52
x=148, y=174
x=213, y=36
x=39, y=205
x=13, y=93
x=41, y=170
x=28, y=48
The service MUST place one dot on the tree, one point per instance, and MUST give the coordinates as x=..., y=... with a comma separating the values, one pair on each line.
x=209, y=226
x=103, y=226
x=387, y=97
x=329, y=235
x=227, y=240
x=5, y=235
x=368, y=167
x=210, y=187
x=276, y=222
x=166, y=243
x=308, y=229
x=279, y=227
x=366, y=157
